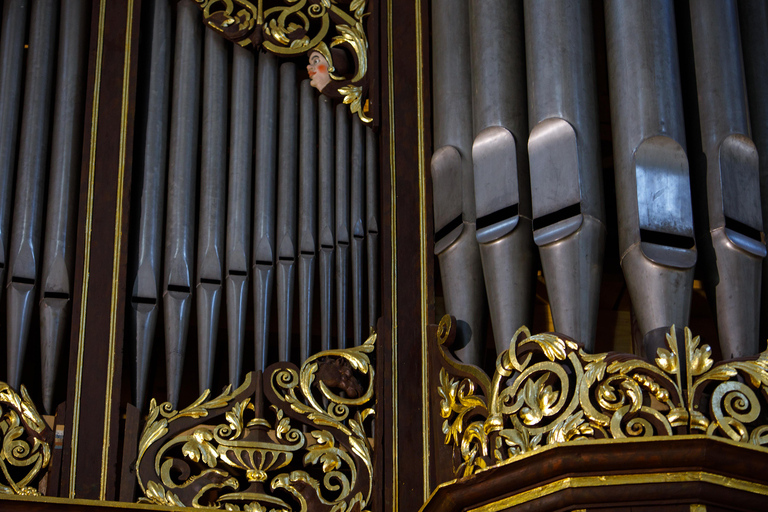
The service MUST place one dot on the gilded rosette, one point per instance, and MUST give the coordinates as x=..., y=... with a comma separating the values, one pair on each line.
x=547, y=390
x=290, y=439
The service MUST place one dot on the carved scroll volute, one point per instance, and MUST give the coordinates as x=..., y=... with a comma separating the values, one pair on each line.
x=26, y=443
x=290, y=28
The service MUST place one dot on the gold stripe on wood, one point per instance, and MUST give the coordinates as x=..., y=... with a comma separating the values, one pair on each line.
x=116, y=251
x=422, y=251
x=635, y=479
x=393, y=264
x=87, y=248
x=698, y=508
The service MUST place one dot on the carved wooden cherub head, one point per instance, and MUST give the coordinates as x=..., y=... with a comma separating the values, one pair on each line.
x=318, y=69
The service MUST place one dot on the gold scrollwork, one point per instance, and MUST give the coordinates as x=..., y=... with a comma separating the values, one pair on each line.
x=227, y=453
x=547, y=390
x=26, y=439
x=296, y=27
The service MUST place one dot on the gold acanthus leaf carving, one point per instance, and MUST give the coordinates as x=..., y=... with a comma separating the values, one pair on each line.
x=228, y=453
x=26, y=443
x=546, y=390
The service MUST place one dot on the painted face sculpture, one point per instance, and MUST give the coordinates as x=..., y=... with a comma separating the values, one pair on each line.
x=318, y=70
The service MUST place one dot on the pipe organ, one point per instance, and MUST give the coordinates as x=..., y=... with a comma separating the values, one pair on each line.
x=663, y=229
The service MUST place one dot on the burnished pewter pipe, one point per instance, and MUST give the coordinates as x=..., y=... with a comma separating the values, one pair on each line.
x=25, y=247
x=342, y=223
x=145, y=295
x=731, y=234
x=307, y=212
x=656, y=244
x=239, y=206
x=502, y=185
x=58, y=254
x=325, y=214
x=453, y=179
x=213, y=210
x=182, y=172
x=564, y=150
x=287, y=174
x=14, y=25
x=357, y=225
x=264, y=202
x=372, y=225
x=753, y=21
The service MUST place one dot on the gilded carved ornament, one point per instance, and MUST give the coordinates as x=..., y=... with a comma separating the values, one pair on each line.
x=547, y=390
x=333, y=28
x=292, y=439
x=26, y=443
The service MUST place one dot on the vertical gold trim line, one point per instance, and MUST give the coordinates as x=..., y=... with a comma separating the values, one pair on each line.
x=116, y=252
x=422, y=250
x=393, y=276
x=87, y=248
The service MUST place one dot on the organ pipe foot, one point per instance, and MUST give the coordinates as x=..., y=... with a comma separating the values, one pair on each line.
x=177, y=308
x=208, y=308
x=54, y=316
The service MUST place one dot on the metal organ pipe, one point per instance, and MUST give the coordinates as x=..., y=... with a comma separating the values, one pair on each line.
x=58, y=255
x=452, y=177
x=264, y=202
x=566, y=178
x=239, y=206
x=372, y=225
x=325, y=214
x=342, y=222
x=307, y=212
x=357, y=226
x=213, y=182
x=25, y=246
x=501, y=181
x=182, y=173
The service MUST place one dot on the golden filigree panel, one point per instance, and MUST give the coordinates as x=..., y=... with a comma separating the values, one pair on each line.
x=291, y=439
x=297, y=27
x=546, y=390
x=26, y=443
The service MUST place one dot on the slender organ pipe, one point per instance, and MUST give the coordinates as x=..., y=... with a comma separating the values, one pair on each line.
x=213, y=182
x=12, y=35
x=753, y=20
x=326, y=230
x=732, y=231
x=502, y=184
x=58, y=256
x=239, y=206
x=145, y=296
x=372, y=225
x=264, y=202
x=25, y=246
x=342, y=222
x=357, y=225
x=657, y=249
x=287, y=190
x=307, y=213
x=453, y=179
x=566, y=180
x=182, y=176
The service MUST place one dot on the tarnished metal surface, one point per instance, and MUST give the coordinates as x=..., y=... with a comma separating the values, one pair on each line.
x=308, y=213
x=341, y=211
x=357, y=225
x=326, y=228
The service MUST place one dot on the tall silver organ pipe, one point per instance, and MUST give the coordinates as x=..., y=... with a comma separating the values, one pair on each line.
x=732, y=231
x=145, y=295
x=357, y=225
x=212, y=213
x=372, y=225
x=656, y=245
x=239, y=206
x=264, y=202
x=307, y=213
x=14, y=27
x=59, y=251
x=564, y=150
x=452, y=177
x=753, y=21
x=182, y=176
x=326, y=229
x=502, y=184
x=25, y=247
x=342, y=222
x=287, y=191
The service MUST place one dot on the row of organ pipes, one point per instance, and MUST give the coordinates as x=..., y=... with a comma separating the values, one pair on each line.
x=517, y=163
x=287, y=206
